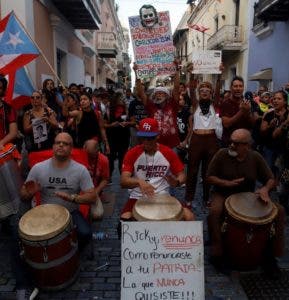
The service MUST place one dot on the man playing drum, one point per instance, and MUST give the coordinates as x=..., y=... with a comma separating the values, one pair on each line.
x=235, y=170
x=150, y=168
x=60, y=181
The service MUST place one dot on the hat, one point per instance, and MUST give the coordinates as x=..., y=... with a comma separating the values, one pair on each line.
x=266, y=94
x=148, y=127
x=161, y=89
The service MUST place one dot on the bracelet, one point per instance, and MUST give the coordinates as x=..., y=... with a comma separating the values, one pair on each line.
x=73, y=198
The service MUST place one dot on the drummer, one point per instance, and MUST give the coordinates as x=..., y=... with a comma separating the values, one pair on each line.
x=150, y=168
x=60, y=180
x=234, y=170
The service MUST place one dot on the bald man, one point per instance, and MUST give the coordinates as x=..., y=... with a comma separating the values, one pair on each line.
x=233, y=170
x=60, y=180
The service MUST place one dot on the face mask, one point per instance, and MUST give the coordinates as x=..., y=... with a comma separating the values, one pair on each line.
x=232, y=153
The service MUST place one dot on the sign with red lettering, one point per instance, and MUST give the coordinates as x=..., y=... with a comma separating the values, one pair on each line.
x=153, y=47
x=162, y=260
x=207, y=61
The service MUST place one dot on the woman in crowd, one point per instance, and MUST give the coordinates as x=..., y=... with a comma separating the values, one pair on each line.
x=270, y=129
x=89, y=123
x=52, y=100
x=39, y=125
x=118, y=130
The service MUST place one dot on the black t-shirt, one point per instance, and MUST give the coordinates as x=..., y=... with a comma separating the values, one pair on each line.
x=183, y=120
x=137, y=109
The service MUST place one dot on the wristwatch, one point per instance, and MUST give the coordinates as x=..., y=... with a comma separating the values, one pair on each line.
x=73, y=197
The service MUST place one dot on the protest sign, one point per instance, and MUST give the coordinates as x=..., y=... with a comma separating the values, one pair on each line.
x=39, y=128
x=162, y=260
x=207, y=61
x=153, y=47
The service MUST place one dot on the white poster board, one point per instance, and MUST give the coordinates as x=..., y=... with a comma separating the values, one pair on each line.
x=207, y=61
x=162, y=260
x=39, y=128
x=153, y=47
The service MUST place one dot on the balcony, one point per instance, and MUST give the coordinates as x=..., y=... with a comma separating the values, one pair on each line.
x=228, y=38
x=272, y=10
x=106, y=44
x=81, y=14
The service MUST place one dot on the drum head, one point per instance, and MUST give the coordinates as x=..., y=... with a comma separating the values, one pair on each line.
x=248, y=208
x=158, y=208
x=43, y=222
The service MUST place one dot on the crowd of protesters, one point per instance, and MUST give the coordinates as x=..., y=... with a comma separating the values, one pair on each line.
x=195, y=120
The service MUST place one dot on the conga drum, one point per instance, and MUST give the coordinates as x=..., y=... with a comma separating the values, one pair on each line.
x=247, y=229
x=50, y=247
x=10, y=181
x=161, y=207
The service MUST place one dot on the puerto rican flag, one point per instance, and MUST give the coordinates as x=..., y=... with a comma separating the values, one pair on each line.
x=200, y=28
x=19, y=90
x=16, y=47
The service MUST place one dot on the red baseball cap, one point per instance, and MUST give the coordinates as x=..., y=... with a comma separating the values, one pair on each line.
x=148, y=127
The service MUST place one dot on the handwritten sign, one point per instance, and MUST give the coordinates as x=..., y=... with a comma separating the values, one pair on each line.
x=153, y=48
x=162, y=260
x=207, y=61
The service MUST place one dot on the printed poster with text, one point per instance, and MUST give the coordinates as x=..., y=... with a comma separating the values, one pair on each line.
x=207, y=61
x=153, y=47
x=162, y=260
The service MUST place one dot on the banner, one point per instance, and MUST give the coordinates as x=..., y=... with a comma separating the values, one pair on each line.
x=153, y=47
x=207, y=61
x=162, y=260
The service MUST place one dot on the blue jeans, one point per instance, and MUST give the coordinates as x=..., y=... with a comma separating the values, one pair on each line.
x=83, y=229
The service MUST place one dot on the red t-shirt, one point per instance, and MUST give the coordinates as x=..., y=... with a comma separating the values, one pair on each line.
x=167, y=120
x=152, y=168
x=99, y=169
x=6, y=119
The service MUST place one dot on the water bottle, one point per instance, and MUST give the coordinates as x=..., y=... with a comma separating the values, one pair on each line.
x=99, y=236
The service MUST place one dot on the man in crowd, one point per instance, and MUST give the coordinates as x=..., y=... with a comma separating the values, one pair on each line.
x=236, y=112
x=60, y=181
x=164, y=108
x=98, y=165
x=234, y=170
x=140, y=163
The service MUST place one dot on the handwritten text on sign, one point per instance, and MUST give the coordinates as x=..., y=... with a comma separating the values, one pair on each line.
x=207, y=61
x=162, y=261
x=153, y=47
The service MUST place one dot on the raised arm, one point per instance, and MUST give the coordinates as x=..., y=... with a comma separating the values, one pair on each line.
x=140, y=92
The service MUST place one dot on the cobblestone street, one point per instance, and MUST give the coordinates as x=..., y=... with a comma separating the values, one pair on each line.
x=100, y=278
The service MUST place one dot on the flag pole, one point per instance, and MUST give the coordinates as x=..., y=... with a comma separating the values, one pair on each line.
x=40, y=51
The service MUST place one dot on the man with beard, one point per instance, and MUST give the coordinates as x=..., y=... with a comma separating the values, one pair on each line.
x=163, y=107
x=234, y=170
x=63, y=181
x=236, y=112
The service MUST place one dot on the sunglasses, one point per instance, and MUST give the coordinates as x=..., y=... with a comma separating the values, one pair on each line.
x=237, y=143
x=36, y=97
x=62, y=142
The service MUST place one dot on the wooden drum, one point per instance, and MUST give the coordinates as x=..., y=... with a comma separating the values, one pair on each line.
x=50, y=247
x=162, y=207
x=248, y=228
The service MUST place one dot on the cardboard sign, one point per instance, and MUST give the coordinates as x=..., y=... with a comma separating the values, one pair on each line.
x=153, y=47
x=162, y=260
x=207, y=61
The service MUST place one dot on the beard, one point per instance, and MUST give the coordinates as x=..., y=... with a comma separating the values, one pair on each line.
x=159, y=100
x=232, y=153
